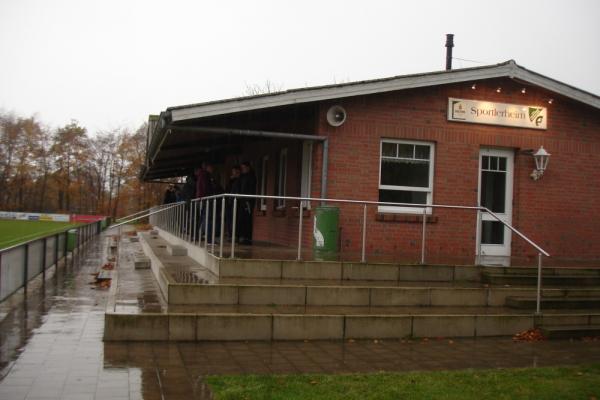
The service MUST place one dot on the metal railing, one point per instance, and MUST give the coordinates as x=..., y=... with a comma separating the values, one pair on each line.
x=185, y=220
x=22, y=262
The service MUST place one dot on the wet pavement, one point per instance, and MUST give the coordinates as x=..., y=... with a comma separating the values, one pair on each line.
x=51, y=348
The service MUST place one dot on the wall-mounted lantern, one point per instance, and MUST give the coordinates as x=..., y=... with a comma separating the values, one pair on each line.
x=541, y=158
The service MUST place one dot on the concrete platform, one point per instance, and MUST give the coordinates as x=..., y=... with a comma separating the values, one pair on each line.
x=277, y=300
x=571, y=332
x=576, y=302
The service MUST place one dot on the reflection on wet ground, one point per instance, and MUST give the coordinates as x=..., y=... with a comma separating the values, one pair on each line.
x=51, y=348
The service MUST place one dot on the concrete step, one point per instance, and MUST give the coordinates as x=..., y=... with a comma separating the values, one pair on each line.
x=176, y=250
x=203, y=294
x=559, y=271
x=333, y=270
x=554, y=302
x=571, y=331
x=547, y=280
x=311, y=326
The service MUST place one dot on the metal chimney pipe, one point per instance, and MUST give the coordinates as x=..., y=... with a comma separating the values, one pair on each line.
x=449, y=46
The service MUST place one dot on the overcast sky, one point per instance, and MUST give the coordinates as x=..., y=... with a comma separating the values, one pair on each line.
x=110, y=63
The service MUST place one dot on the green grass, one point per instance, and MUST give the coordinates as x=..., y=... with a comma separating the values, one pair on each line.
x=13, y=232
x=581, y=382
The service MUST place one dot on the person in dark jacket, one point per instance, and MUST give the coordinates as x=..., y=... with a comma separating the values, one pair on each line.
x=187, y=194
x=246, y=205
x=207, y=185
x=233, y=186
x=170, y=196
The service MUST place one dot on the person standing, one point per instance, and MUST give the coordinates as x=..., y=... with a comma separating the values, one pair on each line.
x=202, y=187
x=187, y=194
x=233, y=187
x=170, y=196
x=246, y=205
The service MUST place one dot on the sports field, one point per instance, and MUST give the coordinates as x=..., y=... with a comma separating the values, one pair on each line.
x=13, y=232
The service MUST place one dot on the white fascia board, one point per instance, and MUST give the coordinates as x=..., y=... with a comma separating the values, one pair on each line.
x=320, y=94
x=557, y=87
x=510, y=70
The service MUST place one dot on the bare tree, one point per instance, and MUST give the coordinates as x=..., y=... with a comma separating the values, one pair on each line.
x=267, y=87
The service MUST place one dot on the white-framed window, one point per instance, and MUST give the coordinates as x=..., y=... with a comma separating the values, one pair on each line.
x=306, y=172
x=281, y=178
x=406, y=174
x=264, y=164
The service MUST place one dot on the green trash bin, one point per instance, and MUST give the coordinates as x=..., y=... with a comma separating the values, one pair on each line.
x=104, y=223
x=326, y=233
x=71, y=239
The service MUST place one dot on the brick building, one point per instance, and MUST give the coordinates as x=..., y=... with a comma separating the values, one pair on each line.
x=456, y=137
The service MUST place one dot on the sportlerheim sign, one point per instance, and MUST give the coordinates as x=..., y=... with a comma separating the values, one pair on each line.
x=485, y=112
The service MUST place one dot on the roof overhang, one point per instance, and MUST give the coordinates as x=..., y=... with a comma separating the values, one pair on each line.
x=173, y=146
x=508, y=69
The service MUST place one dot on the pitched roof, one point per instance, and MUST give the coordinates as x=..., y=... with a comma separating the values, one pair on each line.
x=508, y=69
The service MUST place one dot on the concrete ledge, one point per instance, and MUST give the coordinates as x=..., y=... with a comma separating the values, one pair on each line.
x=234, y=327
x=378, y=327
x=497, y=296
x=564, y=319
x=502, y=325
x=141, y=263
x=182, y=327
x=370, y=272
x=400, y=297
x=176, y=250
x=337, y=296
x=467, y=273
x=438, y=273
x=202, y=294
x=311, y=270
x=265, y=327
x=458, y=297
x=308, y=327
x=443, y=325
x=250, y=269
x=266, y=295
x=136, y=327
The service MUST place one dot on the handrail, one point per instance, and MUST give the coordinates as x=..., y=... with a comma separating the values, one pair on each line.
x=183, y=223
x=136, y=213
x=383, y=203
x=531, y=242
x=164, y=207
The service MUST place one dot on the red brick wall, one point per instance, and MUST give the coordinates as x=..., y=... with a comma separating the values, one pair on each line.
x=560, y=211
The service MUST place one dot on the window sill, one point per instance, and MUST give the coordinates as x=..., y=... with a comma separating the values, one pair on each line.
x=405, y=218
x=260, y=213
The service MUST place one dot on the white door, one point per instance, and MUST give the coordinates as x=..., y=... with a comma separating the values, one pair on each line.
x=495, y=193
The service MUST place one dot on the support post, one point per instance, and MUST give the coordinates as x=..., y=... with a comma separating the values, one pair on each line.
x=222, y=227
x=25, y=265
x=195, y=219
x=206, y=212
x=423, y=238
x=538, y=299
x=45, y=247
x=214, y=226
x=478, y=233
x=300, y=211
x=363, y=257
x=233, y=227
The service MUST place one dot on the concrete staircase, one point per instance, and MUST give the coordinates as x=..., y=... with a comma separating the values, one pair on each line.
x=232, y=299
x=558, y=277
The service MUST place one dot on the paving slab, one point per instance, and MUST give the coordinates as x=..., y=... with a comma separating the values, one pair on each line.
x=59, y=328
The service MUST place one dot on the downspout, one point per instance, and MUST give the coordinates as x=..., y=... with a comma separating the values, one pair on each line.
x=324, y=170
